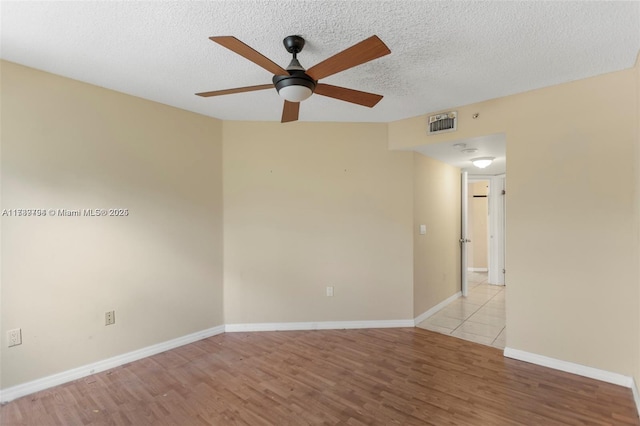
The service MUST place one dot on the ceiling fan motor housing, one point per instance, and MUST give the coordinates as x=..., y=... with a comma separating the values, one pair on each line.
x=295, y=78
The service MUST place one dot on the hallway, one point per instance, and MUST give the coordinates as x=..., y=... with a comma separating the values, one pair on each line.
x=480, y=317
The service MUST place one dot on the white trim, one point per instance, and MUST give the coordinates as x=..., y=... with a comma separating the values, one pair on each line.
x=570, y=367
x=636, y=394
x=426, y=314
x=478, y=269
x=9, y=394
x=497, y=215
x=322, y=325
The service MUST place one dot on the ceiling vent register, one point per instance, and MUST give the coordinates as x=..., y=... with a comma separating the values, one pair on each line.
x=444, y=122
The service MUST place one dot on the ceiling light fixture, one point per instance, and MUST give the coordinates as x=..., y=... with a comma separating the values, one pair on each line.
x=295, y=87
x=482, y=162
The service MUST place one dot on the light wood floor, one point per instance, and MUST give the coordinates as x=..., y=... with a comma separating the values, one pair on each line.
x=406, y=376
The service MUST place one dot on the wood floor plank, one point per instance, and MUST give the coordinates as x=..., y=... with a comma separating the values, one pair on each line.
x=404, y=376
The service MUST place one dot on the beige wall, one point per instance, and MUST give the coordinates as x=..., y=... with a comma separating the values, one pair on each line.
x=310, y=205
x=572, y=258
x=70, y=145
x=477, y=219
x=436, y=266
x=637, y=212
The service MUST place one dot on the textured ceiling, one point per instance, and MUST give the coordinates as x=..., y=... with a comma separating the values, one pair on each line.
x=451, y=152
x=444, y=54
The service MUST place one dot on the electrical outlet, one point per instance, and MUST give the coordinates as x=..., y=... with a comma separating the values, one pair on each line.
x=330, y=291
x=14, y=337
x=110, y=318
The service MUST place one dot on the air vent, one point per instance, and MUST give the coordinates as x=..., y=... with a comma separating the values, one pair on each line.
x=444, y=122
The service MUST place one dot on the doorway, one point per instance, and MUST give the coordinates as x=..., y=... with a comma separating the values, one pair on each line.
x=482, y=239
x=485, y=229
x=478, y=225
x=480, y=314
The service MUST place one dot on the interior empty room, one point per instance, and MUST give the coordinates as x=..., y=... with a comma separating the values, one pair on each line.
x=317, y=212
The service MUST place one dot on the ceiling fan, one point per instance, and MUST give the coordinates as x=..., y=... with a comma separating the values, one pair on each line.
x=296, y=84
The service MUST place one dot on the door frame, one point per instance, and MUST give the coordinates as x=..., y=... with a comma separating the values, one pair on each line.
x=464, y=238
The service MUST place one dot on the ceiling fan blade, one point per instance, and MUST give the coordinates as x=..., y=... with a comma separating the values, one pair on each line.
x=254, y=56
x=365, y=51
x=348, y=95
x=290, y=111
x=236, y=90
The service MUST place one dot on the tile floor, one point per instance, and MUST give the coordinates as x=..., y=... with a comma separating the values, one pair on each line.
x=479, y=317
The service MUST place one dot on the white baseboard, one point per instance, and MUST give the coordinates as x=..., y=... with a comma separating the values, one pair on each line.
x=423, y=316
x=570, y=367
x=9, y=394
x=478, y=269
x=580, y=370
x=322, y=325
x=636, y=395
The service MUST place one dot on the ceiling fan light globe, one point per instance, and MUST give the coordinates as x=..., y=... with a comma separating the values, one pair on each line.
x=295, y=93
x=295, y=87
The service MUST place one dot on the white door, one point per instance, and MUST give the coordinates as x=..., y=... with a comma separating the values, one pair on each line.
x=464, y=240
x=497, y=216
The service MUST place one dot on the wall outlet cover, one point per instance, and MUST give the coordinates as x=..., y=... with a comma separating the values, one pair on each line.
x=14, y=337
x=110, y=318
